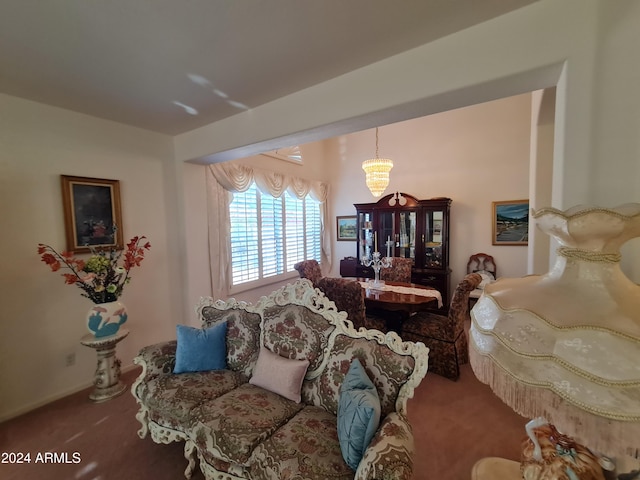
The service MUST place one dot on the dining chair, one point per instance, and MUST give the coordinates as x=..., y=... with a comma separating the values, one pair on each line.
x=485, y=265
x=444, y=335
x=375, y=321
x=481, y=262
x=399, y=271
x=309, y=269
x=347, y=295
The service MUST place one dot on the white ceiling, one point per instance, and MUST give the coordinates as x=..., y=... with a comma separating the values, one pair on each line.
x=130, y=60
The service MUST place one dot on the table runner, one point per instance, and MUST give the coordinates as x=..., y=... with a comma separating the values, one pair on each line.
x=423, y=292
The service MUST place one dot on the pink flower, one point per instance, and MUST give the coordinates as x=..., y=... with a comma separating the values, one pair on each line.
x=88, y=277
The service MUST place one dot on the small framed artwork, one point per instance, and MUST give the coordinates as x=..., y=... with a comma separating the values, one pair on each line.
x=92, y=215
x=346, y=228
x=511, y=222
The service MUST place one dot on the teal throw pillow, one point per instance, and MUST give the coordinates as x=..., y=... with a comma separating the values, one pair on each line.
x=358, y=414
x=201, y=349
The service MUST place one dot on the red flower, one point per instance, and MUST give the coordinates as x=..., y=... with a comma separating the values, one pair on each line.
x=132, y=243
x=135, y=254
x=51, y=260
x=100, y=278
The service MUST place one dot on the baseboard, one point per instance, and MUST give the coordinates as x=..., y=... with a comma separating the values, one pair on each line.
x=52, y=398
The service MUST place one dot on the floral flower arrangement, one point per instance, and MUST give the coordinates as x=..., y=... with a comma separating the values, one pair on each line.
x=101, y=277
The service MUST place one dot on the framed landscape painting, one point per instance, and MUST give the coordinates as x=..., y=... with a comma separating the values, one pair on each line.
x=92, y=213
x=511, y=222
x=346, y=228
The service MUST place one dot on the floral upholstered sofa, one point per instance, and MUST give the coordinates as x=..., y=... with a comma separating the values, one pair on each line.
x=239, y=430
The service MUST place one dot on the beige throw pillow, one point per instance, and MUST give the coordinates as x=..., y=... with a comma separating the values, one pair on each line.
x=279, y=375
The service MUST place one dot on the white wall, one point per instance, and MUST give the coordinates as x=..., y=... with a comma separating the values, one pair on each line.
x=42, y=318
x=616, y=143
x=585, y=47
x=196, y=234
x=475, y=156
x=540, y=172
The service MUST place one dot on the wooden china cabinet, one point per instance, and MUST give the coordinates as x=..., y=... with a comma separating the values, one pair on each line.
x=400, y=225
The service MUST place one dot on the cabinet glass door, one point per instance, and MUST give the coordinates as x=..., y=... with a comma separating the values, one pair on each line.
x=406, y=239
x=433, y=237
x=365, y=234
x=386, y=232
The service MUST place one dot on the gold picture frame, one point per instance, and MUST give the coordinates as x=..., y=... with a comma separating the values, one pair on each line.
x=92, y=213
x=510, y=222
x=346, y=228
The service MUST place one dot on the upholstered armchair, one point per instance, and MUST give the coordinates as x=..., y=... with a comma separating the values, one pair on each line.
x=445, y=335
x=309, y=269
x=348, y=297
x=399, y=271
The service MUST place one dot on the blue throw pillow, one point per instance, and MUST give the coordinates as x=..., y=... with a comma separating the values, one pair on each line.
x=358, y=414
x=201, y=349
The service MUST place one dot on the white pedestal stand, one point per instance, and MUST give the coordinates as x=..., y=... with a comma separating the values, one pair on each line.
x=107, y=377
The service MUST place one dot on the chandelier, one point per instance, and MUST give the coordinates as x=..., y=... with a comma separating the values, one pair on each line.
x=377, y=172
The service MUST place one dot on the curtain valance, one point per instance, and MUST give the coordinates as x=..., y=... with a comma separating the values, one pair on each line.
x=238, y=178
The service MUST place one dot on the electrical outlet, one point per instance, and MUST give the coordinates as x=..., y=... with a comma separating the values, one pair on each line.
x=70, y=359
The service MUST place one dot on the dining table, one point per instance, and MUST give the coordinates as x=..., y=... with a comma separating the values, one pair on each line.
x=397, y=301
x=400, y=296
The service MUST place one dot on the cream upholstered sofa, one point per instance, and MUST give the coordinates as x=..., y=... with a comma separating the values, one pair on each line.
x=239, y=430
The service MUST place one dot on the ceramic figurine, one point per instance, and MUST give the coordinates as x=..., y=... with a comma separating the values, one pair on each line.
x=549, y=455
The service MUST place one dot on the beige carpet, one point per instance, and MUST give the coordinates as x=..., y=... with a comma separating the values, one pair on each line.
x=457, y=423
x=454, y=423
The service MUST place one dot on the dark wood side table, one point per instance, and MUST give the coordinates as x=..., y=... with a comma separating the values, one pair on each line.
x=348, y=267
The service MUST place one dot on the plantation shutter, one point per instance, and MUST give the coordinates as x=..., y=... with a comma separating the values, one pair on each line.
x=294, y=230
x=243, y=213
x=271, y=236
x=313, y=228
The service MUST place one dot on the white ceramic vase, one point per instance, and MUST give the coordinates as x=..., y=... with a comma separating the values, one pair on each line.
x=105, y=319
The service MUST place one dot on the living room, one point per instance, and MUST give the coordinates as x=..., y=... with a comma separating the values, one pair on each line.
x=585, y=51
x=491, y=146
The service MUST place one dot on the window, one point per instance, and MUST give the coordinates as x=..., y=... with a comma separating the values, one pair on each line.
x=270, y=235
